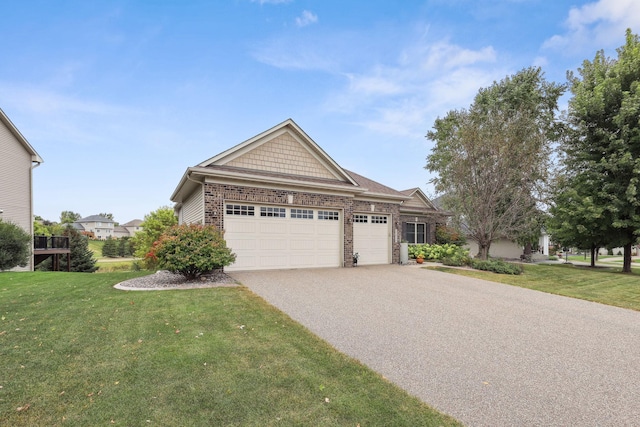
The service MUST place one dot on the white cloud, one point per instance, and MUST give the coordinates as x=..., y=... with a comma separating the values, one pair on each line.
x=307, y=18
x=601, y=24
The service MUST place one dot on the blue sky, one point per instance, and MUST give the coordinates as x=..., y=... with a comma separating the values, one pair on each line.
x=120, y=97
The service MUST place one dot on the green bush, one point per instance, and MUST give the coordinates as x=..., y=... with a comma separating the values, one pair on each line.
x=447, y=234
x=457, y=260
x=14, y=246
x=496, y=266
x=192, y=250
x=436, y=252
x=110, y=248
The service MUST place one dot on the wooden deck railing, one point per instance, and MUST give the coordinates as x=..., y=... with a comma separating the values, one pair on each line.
x=50, y=242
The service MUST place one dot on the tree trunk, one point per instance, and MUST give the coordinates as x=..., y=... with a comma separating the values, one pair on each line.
x=483, y=250
x=626, y=267
x=594, y=251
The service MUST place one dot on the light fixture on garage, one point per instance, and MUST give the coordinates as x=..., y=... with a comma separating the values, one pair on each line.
x=290, y=198
x=373, y=208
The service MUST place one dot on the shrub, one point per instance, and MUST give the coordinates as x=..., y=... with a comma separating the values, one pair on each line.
x=436, y=252
x=110, y=248
x=192, y=250
x=14, y=246
x=458, y=259
x=446, y=234
x=496, y=266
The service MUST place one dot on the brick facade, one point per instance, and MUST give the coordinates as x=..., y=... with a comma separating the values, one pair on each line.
x=215, y=196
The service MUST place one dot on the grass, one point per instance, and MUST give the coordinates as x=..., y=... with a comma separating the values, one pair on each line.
x=604, y=285
x=74, y=351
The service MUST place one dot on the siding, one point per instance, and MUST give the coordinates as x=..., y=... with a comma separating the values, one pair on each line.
x=193, y=208
x=15, y=183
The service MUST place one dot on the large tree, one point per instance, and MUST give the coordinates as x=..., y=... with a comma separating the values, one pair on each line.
x=604, y=152
x=492, y=160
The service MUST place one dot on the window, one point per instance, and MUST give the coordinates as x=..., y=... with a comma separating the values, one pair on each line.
x=328, y=215
x=376, y=219
x=361, y=218
x=240, y=210
x=302, y=213
x=415, y=232
x=273, y=212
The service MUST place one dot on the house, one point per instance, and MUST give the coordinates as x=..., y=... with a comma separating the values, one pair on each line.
x=97, y=226
x=501, y=247
x=17, y=161
x=285, y=203
x=128, y=229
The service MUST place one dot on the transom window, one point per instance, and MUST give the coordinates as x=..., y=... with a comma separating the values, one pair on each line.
x=273, y=212
x=243, y=210
x=415, y=232
x=302, y=213
x=361, y=218
x=376, y=219
x=328, y=215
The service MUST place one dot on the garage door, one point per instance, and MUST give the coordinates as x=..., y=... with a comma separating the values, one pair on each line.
x=371, y=237
x=273, y=237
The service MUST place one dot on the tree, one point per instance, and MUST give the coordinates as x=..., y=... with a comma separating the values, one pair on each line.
x=576, y=220
x=492, y=160
x=82, y=260
x=68, y=217
x=124, y=247
x=153, y=226
x=604, y=150
x=192, y=250
x=14, y=246
x=110, y=248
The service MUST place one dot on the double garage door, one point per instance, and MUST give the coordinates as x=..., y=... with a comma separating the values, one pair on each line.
x=272, y=237
x=278, y=237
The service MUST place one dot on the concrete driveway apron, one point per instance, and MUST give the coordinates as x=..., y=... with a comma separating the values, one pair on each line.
x=485, y=353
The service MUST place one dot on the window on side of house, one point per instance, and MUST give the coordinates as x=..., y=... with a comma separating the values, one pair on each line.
x=415, y=232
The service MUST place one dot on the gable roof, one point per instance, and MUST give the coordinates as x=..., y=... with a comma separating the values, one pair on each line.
x=375, y=188
x=35, y=157
x=133, y=223
x=285, y=141
x=418, y=200
x=94, y=218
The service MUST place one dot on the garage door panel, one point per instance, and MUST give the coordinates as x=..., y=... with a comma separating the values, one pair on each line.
x=371, y=241
x=273, y=243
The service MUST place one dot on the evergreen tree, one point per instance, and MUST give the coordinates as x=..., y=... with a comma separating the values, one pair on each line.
x=124, y=247
x=110, y=248
x=82, y=260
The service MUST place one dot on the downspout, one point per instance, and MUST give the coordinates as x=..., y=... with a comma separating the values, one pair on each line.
x=34, y=164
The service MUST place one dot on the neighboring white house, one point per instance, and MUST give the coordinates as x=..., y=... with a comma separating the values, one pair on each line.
x=17, y=161
x=99, y=226
x=128, y=229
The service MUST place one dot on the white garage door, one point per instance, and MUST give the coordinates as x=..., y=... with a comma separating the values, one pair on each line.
x=272, y=237
x=371, y=237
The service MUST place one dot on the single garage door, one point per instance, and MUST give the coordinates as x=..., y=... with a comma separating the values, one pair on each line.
x=371, y=237
x=275, y=237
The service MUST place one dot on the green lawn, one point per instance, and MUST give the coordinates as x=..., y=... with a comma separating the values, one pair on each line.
x=74, y=351
x=603, y=285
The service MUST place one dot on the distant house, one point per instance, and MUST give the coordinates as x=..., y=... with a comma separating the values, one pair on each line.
x=98, y=226
x=17, y=161
x=283, y=202
x=501, y=247
x=128, y=229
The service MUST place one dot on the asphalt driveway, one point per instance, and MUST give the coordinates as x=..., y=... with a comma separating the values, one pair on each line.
x=485, y=353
